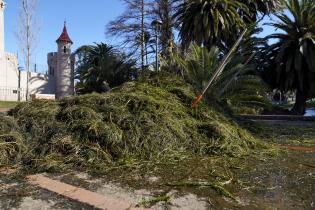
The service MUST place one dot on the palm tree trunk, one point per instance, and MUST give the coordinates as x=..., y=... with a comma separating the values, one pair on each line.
x=300, y=103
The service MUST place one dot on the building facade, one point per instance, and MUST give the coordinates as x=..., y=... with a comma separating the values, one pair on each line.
x=8, y=66
x=59, y=80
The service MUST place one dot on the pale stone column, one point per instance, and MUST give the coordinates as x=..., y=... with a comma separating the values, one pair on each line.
x=3, y=64
x=2, y=7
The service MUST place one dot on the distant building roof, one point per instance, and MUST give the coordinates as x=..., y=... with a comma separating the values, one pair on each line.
x=64, y=37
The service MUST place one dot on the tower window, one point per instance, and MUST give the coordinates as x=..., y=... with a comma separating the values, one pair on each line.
x=65, y=49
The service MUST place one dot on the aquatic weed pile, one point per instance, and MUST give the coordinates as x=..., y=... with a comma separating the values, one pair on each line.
x=142, y=119
x=11, y=141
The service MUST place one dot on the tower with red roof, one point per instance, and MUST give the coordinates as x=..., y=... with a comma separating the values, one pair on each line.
x=61, y=66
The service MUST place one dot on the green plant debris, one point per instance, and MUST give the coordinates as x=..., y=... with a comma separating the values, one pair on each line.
x=215, y=186
x=157, y=199
x=146, y=119
x=11, y=142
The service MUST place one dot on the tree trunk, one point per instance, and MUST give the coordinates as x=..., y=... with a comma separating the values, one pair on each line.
x=166, y=30
x=300, y=103
x=142, y=35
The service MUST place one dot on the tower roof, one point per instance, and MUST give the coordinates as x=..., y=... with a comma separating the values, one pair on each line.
x=64, y=37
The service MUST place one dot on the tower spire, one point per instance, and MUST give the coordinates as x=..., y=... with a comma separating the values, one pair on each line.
x=64, y=37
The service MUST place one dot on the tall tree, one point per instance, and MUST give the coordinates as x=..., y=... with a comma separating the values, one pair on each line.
x=205, y=21
x=27, y=33
x=209, y=22
x=131, y=27
x=101, y=67
x=237, y=84
x=164, y=10
x=258, y=9
x=289, y=63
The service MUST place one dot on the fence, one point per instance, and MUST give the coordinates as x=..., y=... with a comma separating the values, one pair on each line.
x=12, y=94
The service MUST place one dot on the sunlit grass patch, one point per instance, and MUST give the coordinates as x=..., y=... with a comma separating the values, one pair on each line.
x=8, y=104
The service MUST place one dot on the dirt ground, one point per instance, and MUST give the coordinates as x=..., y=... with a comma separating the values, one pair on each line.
x=277, y=180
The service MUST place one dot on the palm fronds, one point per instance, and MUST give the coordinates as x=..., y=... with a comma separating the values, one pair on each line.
x=289, y=63
x=237, y=83
x=101, y=67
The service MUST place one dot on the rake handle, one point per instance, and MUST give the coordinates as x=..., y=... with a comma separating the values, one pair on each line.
x=220, y=69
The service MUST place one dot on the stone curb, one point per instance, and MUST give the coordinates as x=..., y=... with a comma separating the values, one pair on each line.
x=79, y=194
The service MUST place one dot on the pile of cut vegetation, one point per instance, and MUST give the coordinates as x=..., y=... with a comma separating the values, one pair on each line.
x=12, y=143
x=144, y=120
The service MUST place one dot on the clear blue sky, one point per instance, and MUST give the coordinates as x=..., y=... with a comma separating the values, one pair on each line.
x=86, y=21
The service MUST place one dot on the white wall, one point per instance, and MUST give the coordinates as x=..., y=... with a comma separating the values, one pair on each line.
x=9, y=81
x=8, y=78
x=1, y=28
x=9, y=75
x=38, y=83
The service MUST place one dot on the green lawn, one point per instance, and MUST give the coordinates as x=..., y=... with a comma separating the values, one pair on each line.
x=7, y=104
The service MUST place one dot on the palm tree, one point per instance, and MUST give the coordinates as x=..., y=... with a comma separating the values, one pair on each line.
x=100, y=67
x=237, y=84
x=209, y=22
x=198, y=65
x=202, y=21
x=261, y=8
x=289, y=63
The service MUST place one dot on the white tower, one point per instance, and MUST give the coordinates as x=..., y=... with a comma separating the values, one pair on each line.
x=65, y=66
x=3, y=64
x=2, y=6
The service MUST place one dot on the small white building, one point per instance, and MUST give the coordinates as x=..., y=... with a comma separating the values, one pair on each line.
x=60, y=78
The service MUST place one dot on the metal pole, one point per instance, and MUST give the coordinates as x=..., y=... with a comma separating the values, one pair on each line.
x=19, y=85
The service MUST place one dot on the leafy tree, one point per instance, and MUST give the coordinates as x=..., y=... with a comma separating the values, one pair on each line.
x=100, y=67
x=258, y=9
x=289, y=63
x=238, y=83
x=203, y=21
x=209, y=22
